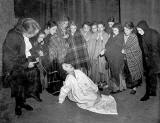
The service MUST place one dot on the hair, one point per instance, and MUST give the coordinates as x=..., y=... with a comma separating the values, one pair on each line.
x=111, y=19
x=64, y=18
x=101, y=22
x=93, y=23
x=129, y=25
x=73, y=23
x=27, y=25
x=51, y=24
x=86, y=23
x=118, y=26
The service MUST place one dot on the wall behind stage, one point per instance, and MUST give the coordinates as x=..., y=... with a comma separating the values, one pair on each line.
x=7, y=20
x=77, y=10
x=136, y=10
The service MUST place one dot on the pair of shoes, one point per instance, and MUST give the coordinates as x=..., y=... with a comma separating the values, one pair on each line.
x=133, y=92
x=145, y=97
x=18, y=110
x=27, y=107
x=36, y=97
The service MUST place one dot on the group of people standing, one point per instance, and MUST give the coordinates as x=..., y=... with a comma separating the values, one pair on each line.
x=111, y=55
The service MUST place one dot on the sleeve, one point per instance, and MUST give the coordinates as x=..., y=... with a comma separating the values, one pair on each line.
x=65, y=89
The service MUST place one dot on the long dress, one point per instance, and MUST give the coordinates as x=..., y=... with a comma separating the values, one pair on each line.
x=115, y=60
x=82, y=90
x=96, y=45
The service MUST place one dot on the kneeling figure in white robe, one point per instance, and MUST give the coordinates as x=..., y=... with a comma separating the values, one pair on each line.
x=81, y=89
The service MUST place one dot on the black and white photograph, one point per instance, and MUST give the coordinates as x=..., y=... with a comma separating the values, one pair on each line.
x=79, y=61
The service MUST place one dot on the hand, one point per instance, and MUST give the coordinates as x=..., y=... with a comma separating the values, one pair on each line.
x=41, y=53
x=31, y=64
x=102, y=52
x=60, y=101
x=123, y=51
x=37, y=59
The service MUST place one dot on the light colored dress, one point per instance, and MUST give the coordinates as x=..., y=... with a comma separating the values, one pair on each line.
x=82, y=90
x=96, y=45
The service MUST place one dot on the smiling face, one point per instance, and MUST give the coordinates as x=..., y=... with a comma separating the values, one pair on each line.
x=110, y=24
x=53, y=30
x=115, y=31
x=127, y=31
x=100, y=27
x=86, y=28
x=73, y=28
x=94, y=28
x=68, y=68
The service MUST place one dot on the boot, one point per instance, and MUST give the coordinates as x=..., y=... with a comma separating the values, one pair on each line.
x=145, y=97
x=18, y=110
x=27, y=107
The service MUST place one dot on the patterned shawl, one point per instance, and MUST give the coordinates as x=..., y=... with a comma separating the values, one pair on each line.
x=77, y=53
x=57, y=48
x=134, y=57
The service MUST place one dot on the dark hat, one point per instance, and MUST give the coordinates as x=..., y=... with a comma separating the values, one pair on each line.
x=143, y=25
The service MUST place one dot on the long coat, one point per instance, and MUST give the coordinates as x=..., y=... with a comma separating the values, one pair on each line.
x=16, y=74
x=114, y=55
x=151, y=47
x=134, y=57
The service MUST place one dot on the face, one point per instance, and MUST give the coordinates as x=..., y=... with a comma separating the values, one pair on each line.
x=127, y=31
x=94, y=28
x=41, y=37
x=86, y=28
x=100, y=27
x=73, y=28
x=115, y=31
x=31, y=35
x=53, y=30
x=46, y=31
x=140, y=31
x=68, y=67
x=110, y=24
x=64, y=24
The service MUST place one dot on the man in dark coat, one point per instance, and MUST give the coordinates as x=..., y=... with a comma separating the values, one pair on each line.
x=151, y=47
x=19, y=65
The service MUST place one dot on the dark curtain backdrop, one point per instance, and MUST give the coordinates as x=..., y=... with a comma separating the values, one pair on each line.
x=136, y=10
x=77, y=10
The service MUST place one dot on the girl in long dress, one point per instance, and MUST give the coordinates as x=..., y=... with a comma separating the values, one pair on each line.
x=99, y=39
x=81, y=89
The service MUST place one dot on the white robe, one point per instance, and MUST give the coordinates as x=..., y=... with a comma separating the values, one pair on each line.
x=82, y=90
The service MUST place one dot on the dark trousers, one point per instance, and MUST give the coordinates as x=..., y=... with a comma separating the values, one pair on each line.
x=151, y=83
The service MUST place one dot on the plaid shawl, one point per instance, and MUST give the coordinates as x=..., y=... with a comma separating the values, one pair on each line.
x=77, y=53
x=134, y=57
x=57, y=48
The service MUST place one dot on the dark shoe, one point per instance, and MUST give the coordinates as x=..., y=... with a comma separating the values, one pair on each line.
x=133, y=92
x=152, y=94
x=145, y=97
x=36, y=97
x=18, y=110
x=27, y=107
